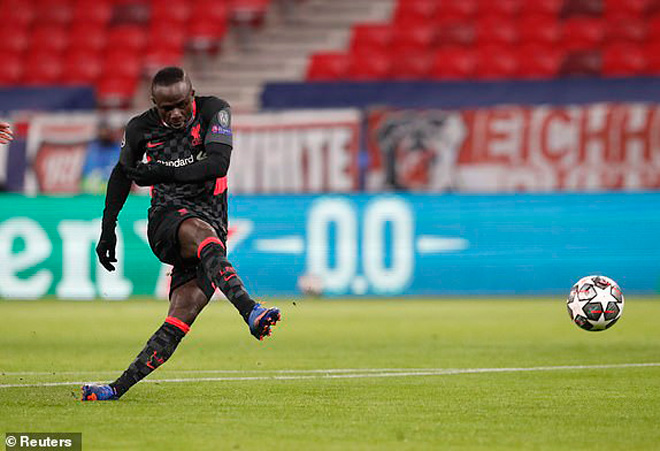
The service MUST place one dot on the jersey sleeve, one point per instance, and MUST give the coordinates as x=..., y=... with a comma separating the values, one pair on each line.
x=131, y=150
x=219, y=128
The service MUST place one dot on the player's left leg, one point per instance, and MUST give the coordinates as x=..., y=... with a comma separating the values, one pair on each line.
x=186, y=302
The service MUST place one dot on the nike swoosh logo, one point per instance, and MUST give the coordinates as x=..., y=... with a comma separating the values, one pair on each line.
x=151, y=145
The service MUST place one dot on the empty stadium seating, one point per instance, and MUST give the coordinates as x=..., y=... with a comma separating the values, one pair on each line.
x=114, y=44
x=484, y=39
x=110, y=44
x=328, y=66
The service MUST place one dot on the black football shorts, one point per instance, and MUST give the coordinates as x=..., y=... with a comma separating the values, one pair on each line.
x=163, y=234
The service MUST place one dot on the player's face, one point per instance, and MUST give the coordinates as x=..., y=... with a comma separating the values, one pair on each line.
x=174, y=103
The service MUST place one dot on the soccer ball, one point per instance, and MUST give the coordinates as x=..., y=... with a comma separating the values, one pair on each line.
x=595, y=303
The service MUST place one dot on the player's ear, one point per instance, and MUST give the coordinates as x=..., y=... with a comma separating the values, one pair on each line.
x=153, y=100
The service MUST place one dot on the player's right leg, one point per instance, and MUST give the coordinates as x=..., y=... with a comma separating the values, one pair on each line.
x=197, y=239
x=186, y=302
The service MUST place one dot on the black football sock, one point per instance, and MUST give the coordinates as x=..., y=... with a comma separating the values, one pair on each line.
x=158, y=349
x=219, y=270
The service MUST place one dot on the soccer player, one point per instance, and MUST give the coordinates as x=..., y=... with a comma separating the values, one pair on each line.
x=187, y=143
x=6, y=135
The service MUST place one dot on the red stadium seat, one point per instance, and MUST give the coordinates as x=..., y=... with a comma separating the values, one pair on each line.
x=92, y=13
x=52, y=38
x=53, y=12
x=156, y=58
x=652, y=58
x=653, y=29
x=170, y=11
x=82, y=67
x=623, y=60
x=17, y=12
x=167, y=36
x=539, y=29
x=130, y=38
x=369, y=66
x=496, y=62
x=411, y=21
x=652, y=7
x=415, y=11
x=371, y=37
x=122, y=64
x=637, y=8
x=456, y=34
x=582, y=8
x=11, y=69
x=497, y=30
x=550, y=8
x=411, y=65
x=327, y=66
x=453, y=64
x=456, y=11
x=130, y=13
x=583, y=33
x=505, y=9
x=212, y=10
x=88, y=38
x=539, y=61
x=412, y=39
x=625, y=29
x=45, y=68
x=115, y=92
x=582, y=63
x=205, y=35
x=14, y=38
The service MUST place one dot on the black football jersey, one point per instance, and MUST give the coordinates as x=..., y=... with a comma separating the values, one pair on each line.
x=147, y=138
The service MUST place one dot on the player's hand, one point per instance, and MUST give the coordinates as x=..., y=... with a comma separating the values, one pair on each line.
x=105, y=249
x=6, y=135
x=150, y=174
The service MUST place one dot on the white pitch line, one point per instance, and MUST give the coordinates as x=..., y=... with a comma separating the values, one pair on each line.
x=325, y=370
x=362, y=375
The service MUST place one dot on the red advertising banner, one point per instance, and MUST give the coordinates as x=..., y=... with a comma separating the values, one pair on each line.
x=516, y=148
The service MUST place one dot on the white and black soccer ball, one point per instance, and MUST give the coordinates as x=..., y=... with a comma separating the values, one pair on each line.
x=595, y=303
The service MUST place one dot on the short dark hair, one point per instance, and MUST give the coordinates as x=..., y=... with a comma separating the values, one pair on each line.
x=168, y=76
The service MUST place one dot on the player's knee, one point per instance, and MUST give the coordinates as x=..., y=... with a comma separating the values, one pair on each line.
x=192, y=233
x=196, y=230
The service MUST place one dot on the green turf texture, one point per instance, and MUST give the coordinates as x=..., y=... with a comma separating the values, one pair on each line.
x=615, y=408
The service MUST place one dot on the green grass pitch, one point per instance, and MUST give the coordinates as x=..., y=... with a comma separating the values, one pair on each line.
x=389, y=388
